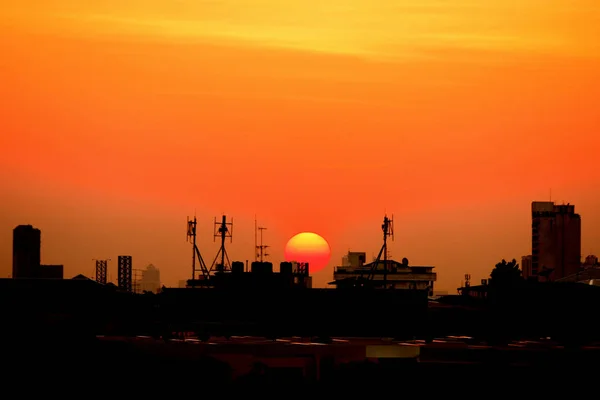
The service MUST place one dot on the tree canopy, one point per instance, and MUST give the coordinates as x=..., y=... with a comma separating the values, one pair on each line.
x=506, y=274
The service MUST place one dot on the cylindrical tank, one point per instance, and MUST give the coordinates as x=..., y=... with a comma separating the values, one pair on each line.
x=268, y=267
x=285, y=268
x=256, y=267
x=237, y=267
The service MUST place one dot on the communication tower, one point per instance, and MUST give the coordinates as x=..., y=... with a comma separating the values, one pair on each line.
x=101, y=270
x=223, y=230
x=388, y=231
x=467, y=280
x=137, y=280
x=125, y=271
x=260, y=249
x=201, y=267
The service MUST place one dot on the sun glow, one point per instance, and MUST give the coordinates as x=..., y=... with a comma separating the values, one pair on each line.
x=308, y=247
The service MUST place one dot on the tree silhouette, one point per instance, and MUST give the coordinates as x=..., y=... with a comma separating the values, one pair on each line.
x=506, y=275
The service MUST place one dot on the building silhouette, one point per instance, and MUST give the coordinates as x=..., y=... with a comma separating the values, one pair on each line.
x=354, y=259
x=400, y=275
x=150, y=281
x=591, y=261
x=27, y=242
x=26, y=251
x=556, y=241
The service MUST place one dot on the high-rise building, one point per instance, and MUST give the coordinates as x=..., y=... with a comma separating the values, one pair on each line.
x=26, y=251
x=556, y=240
x=150, y=279
x=27, y=242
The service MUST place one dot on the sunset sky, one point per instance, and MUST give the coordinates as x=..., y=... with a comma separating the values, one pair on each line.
x=121, y=118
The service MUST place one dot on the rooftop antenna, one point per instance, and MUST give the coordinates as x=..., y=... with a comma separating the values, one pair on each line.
x=388, y=231
x=261, y=248
x=223, y=230
x=191, y=236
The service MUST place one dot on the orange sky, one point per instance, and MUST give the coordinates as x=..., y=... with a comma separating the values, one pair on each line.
x=119, y=119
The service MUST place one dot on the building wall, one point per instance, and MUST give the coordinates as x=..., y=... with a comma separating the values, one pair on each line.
x=568, y=254
x=26, y=251
x=51, y=272
x=526, y=266
x=355, y=259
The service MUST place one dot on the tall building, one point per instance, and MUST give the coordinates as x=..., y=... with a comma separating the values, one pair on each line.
x=150, y=279
x=556, y=240
x=26, y=251
x=27, y=242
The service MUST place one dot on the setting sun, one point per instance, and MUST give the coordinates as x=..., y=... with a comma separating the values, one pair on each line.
x=308, y=247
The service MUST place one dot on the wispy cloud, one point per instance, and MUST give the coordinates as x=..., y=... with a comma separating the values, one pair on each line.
x=366, y=28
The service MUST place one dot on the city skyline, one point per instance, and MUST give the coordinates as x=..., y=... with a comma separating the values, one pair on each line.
x=536, y=207
x=123, y=118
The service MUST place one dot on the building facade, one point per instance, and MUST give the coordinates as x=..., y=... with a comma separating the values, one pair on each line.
x=556, y=241
x=400, y=275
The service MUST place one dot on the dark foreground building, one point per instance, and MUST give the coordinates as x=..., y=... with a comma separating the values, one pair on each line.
x=27, y=256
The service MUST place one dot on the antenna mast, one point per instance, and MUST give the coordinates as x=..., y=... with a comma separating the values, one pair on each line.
x=260, y=249
x=191, y=235
x=388, y=230
x=223, y=230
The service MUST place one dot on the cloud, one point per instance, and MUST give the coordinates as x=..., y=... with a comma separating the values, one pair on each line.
x=374, y=29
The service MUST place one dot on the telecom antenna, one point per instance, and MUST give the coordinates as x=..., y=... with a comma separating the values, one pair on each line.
x=388, y=231
x=223, y=230
x=191, y=236
x=261, y=248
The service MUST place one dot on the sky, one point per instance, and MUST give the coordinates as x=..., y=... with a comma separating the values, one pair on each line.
x=121, y=119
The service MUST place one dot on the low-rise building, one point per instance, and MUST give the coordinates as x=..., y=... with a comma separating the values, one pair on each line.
x=397, y=275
